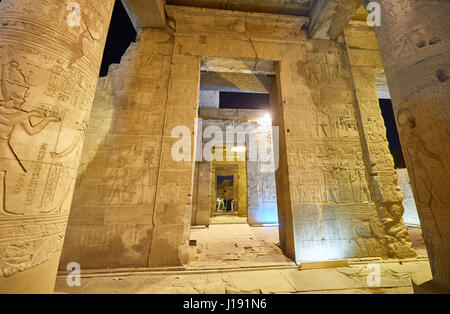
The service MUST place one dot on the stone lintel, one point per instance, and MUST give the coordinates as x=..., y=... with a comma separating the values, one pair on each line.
x=290, y=7
x=237, y=24
x=242, y=66
x=146, y=13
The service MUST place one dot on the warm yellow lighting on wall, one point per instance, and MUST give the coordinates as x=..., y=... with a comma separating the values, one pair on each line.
x=238, y=149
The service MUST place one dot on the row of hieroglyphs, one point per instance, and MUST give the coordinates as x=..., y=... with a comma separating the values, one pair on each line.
x=37, y=115
x=48, y=76
x=25, y=165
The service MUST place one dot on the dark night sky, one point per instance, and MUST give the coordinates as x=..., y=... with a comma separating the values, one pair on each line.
x=221, y=179
x=122, y=33
x=231, y=100
x=392, y=133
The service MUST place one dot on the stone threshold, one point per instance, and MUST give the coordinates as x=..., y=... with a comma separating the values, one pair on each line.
x=368, y=260
x=92, y=273
x=357, y=261
x=182, y=270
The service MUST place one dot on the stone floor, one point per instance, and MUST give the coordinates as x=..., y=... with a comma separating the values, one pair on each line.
x=236, y=246
x=228, y=219
x=395, y=278
x=417, y=239
x=241, y=259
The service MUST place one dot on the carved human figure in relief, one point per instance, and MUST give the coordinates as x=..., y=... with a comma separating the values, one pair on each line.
x=76, y=145
x=429, y=174
x=141, y=177
x=90, y=31
x=389, y=12
x=14, y=88
x=322, y=120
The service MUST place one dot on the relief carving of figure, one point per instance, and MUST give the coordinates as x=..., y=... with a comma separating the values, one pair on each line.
x=358, y=180
x=426, y=168
x=389, y=13
x=91, y=31
x=76, y=145
x=332, y=183
x=428, y=171
x=141, y=178
x=15, y=88
x=322, y=120
x=118, y=177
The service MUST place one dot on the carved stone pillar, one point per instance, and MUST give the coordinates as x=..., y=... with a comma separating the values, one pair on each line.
x=173, y=199
x=414, y=39
x=202, y=194
x=50, y=58
x=364, y=60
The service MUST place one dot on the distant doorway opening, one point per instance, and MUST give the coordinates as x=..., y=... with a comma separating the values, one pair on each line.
x=226, y=203
x=228, y=190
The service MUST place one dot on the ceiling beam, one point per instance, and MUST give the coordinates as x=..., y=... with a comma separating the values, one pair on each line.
x=330, y=17
x=146, y=13
x=288, y=7
x=246, y=66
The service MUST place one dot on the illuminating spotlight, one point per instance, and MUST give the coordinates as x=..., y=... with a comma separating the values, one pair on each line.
x=238, y=149
x=267, y=119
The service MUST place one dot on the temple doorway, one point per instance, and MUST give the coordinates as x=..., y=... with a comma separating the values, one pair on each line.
x=227, y=188
x=229, y=204
x=234, y=211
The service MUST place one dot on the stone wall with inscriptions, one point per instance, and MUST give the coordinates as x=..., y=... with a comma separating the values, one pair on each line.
x=328, y=205
x=111, y=220
x=363, y=54
x=328, y=202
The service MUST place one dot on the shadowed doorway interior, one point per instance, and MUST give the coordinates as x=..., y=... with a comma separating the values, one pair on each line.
x=229, y=204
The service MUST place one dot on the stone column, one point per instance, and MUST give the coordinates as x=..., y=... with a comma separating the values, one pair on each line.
x=201, y=196
x=414, y=39
x=363, y=60
x=173, y=203
x=50, y=58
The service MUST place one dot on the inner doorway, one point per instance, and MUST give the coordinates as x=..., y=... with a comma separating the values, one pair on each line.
x=229, y=204
x=241, y=229
x=226, y=206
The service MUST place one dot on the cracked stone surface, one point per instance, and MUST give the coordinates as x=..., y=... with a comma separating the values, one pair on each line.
x=395, y=278
x=239, y=246
x=236, y=246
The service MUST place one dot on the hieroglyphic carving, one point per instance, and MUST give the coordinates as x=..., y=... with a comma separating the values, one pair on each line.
x=21, y=254
x=237, y=25
x=15, y=87
x=346, y=125
x=382, y=180
x=49, y=72
x=129, y=174
x=415, y=53
x=427, y=168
